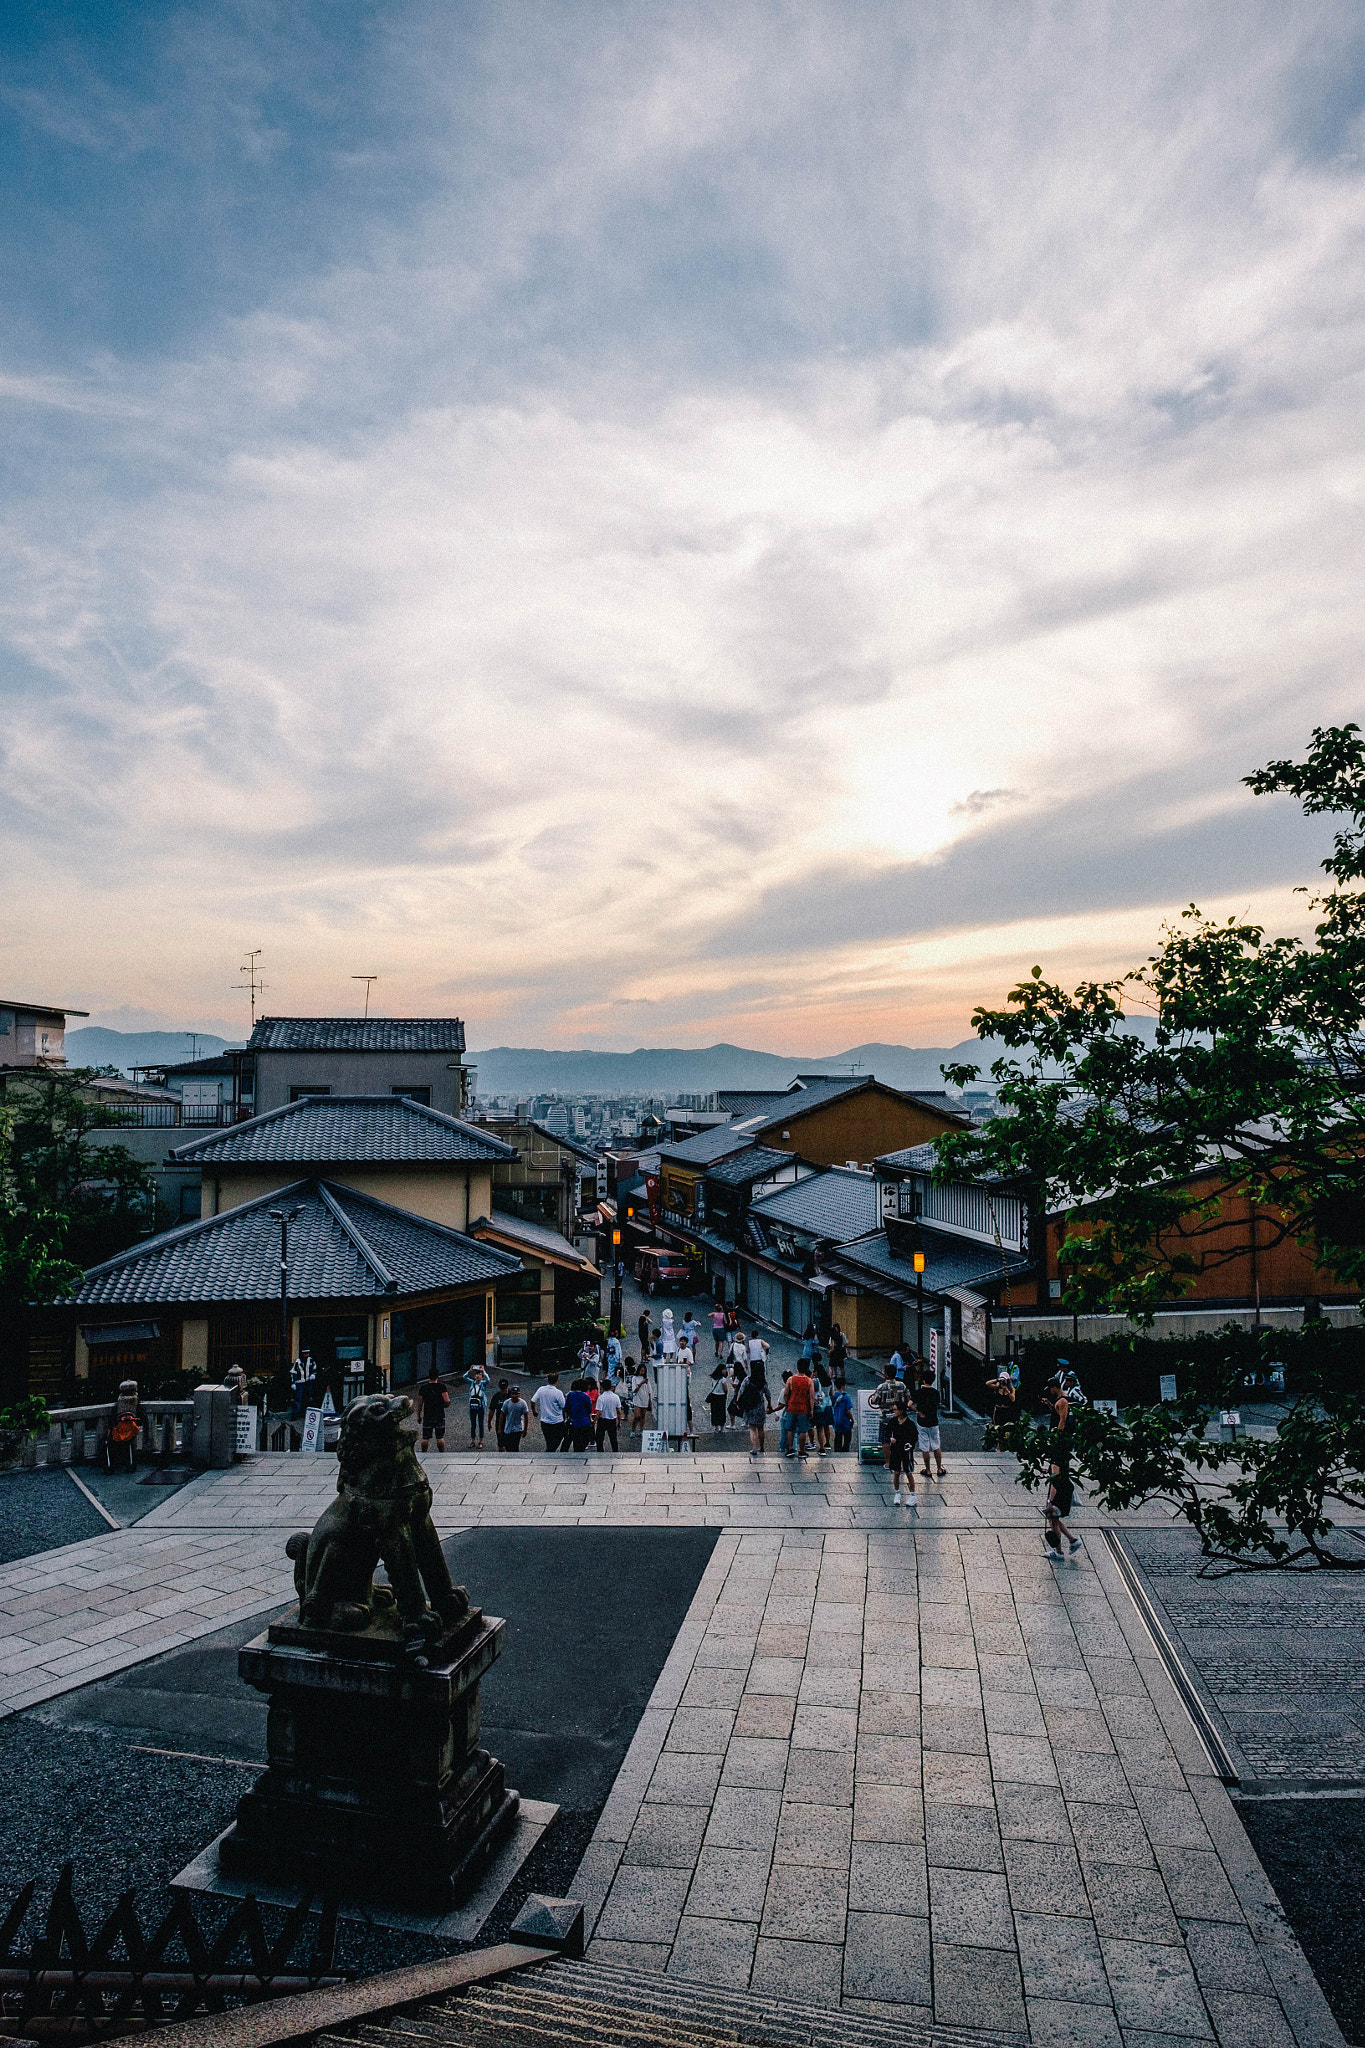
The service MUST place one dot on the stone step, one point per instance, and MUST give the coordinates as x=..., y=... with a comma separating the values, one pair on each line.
x=604, y=2005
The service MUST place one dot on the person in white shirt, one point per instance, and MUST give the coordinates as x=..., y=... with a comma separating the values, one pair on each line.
x=669, y=1334
x=691, y=1330
x=758, y=1349
x=548, y=1402
x=608, y=1415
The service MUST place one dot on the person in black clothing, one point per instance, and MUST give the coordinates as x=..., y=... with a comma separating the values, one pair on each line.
x=901, y=1432
x=1060, y=1490
x=1005, y=1409
x=838, y=1353
x=926, y=1410
x=645, y=1329
x=500, y=1400
x=435, y=1400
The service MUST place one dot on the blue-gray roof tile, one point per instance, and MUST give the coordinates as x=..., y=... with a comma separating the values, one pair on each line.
x=345, y=1130
x=357, y=1034
x=342, y=1245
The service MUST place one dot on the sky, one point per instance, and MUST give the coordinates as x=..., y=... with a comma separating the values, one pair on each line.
x=648, y=524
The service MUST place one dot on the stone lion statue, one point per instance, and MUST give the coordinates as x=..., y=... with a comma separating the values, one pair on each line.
x=382, y=1514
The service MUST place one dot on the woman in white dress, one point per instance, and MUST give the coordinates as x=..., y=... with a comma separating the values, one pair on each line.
x=670, y=1335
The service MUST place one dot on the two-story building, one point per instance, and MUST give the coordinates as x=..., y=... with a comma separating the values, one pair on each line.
x=33, y=1034
x=420, y=1057
x=974, y=1241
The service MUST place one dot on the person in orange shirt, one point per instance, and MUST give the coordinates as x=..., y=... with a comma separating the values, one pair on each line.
x=801, y=1407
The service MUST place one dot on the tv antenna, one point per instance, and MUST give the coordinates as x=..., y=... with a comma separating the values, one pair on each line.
x=253, y=980
x=367, y=979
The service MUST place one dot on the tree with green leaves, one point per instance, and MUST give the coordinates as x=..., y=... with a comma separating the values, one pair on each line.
x=65, y=1203
x=1251, y=1083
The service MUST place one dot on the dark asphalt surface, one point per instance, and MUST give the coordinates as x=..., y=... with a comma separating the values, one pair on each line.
x=592, y=1614
x=1313, y=1851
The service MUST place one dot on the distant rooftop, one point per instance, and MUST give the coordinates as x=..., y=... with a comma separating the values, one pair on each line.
x=357, y=1034
x=337, y=1130
x=839, y=1204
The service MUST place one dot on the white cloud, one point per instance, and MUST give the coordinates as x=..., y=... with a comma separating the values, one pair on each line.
x=770, y=431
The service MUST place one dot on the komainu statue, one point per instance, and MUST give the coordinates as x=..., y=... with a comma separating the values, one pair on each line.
x=382, y=1514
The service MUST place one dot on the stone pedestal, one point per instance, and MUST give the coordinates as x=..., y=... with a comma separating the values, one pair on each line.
x=376, y=1783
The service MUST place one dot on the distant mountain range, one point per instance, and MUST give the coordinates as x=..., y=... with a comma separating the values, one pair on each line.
x=92, y=1046
x=672, y=1071
x=652, y=1070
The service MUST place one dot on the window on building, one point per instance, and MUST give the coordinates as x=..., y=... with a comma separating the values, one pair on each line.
x=299, y=1094
x=189, y=1204
x=422, y=1095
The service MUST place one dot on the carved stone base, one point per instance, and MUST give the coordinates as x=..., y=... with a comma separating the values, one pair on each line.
x=376, y=1782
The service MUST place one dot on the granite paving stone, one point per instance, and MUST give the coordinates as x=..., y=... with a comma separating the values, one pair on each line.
x=1154, y=1987
x=970, y=1908
x=887, y=1958
x=978, y=1987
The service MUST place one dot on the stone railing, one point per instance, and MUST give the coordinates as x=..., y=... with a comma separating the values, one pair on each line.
x=75, y=1436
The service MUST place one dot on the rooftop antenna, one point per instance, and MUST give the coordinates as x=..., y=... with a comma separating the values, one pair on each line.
x=367, y=979
x=253, y=980
x=193, y=1037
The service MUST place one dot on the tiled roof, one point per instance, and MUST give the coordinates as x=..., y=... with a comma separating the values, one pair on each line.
x=357, y=1034
x=539, y=1241
x=837, y=1205
x=344, y=1130
x=911, y=1158
x=755, y=1162
x=814, y=1088
x=342, y=1245
x=717, y=1143
x=948, y=1262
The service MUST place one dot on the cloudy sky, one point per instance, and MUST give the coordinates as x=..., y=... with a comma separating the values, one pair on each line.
x=650, y=523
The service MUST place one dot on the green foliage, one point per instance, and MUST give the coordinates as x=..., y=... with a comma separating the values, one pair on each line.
x=1259, y=1505
x=1251, y=1079
x=1250, y=1084
x=554, y=1347
x=26, y=1417
x=1217, y=1365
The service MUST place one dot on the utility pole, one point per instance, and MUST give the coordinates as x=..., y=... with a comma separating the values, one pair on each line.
x=253, y=980
x=284, y=1217
x=367, y=979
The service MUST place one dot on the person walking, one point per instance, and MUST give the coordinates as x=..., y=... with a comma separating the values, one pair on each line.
x=838, y=1356
x=755, y=1407
x=515, y=1418
x=1061, y=1487
x=883, y=1399
x=787, y=1426
x=607, y=1416
x=501, y=1397
x=823, y=1417
x=757, y=1349
x=548, y=1402
x=640, y=1401
x=842, y=1418
x=435, y=1400
x=901, y=1431
x=718, y=1327
x=718, y=1398
x=926, y=1410
x=801, y=1407
x=897, y=1363
x=476, y=1379
x=1005, y=1407
x=578, y=1415
x=691, y=1331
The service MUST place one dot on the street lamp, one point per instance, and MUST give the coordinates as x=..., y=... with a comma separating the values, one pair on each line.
x=614, y=1319
x=919, y=1294
x=284, y=1217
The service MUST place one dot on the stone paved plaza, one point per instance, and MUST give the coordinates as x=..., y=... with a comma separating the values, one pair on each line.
x=900, y=1766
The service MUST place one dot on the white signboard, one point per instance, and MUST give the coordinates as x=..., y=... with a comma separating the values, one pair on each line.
x=1105, y=1407
x=1168, y=1392
x=933, y=1352
x=312, y=1430
x=246, y=1419
x=653, y=1442
x=869, y=1426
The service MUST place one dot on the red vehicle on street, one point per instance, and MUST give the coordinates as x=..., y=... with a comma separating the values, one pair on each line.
x=663, y=1272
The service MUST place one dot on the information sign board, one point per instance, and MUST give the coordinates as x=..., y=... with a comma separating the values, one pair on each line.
x=246, y=1419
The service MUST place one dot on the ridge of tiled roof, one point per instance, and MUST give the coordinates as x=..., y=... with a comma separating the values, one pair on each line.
x=357, y=1034
x=326, y=1130
x=751, y=1164
x=837, y=1204
x=950, y=1261
x=716, y=1143
x=342, y=1244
